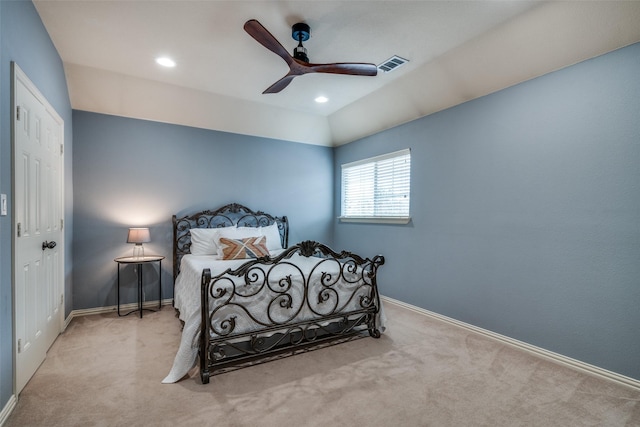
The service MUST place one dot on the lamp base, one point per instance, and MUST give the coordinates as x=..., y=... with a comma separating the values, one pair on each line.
x=138, y=251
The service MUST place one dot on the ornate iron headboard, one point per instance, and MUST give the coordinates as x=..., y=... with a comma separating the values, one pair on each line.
x=231, y=215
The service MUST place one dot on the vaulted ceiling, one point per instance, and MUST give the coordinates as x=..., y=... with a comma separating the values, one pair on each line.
x=457, y=51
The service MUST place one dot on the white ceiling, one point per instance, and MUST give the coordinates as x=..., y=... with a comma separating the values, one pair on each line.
x=458, y=50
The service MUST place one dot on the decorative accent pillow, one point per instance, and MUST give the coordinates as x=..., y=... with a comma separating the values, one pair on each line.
x=233, y=233
x=249, y=247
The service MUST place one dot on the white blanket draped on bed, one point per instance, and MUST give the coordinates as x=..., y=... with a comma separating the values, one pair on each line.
x=187, y=302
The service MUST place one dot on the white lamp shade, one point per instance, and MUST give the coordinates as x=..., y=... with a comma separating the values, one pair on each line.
x=138, y=236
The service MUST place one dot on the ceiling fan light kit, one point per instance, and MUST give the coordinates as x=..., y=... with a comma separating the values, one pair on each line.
x=299, y=63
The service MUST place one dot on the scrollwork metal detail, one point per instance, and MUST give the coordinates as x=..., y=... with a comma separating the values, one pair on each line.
x=231, y=215
x=272, y=304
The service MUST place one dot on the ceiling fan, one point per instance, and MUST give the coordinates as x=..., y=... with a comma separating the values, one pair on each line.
x=299, y=62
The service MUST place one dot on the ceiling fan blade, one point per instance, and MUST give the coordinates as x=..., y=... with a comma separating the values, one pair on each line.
x=355, y=69
x=266, y=39
x=280, y=84
x=298, y=67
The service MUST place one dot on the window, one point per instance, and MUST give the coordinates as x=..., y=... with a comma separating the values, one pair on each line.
x=377, y=189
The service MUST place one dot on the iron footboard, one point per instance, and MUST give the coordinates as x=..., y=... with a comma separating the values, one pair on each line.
x=305, y=297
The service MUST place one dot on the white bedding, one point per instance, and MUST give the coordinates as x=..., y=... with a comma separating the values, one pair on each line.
x=187, y=301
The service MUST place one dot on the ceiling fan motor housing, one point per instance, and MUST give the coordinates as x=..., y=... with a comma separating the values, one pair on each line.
x=301, y=33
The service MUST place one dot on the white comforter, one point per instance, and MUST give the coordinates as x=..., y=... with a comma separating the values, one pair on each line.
x=187, y=301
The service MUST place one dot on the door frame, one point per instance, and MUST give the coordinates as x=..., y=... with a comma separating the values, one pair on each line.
x=18, y=75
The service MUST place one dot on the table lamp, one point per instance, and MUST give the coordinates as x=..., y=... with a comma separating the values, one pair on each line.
x=138, y=236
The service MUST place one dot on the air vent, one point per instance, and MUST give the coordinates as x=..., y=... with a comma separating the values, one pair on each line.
x=392, y=63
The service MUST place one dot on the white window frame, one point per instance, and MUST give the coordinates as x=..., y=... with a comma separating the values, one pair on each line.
x=374, y=162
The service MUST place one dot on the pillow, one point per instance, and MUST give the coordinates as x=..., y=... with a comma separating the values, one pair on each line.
x=203, y=241
x=249, y=247
x=233, y=233
x=272, y=234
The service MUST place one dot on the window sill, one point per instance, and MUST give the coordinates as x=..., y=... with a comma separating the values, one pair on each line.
x=376, y=220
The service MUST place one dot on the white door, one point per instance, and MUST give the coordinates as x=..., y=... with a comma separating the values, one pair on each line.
x=38, y=238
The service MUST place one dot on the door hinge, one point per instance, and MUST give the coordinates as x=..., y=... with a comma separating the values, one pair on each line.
x=61, y=148
x=61, y=299
x=19, y=229
x=18, y=113
x=61, y=224
x=19, y=345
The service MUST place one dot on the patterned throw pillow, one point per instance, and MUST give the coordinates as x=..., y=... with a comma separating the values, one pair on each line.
x=250, y=247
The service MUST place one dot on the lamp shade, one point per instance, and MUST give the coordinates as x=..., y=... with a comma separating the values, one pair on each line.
x=138, y=236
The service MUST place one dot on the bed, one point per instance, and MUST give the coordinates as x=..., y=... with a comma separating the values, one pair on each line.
x=245, y=296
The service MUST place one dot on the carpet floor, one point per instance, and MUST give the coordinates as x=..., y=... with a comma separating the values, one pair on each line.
x=106, y=371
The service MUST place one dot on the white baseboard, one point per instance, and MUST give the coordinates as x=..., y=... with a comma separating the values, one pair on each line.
x=113, y=308
x=532, y=349
x=8, y=408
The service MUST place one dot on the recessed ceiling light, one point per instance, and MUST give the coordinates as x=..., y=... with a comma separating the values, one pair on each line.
x=166, y=62
x=321, y=99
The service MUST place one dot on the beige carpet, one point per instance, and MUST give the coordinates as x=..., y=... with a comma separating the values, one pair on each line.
x=106, y=371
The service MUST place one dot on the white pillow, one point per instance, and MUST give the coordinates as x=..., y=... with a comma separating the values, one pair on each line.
x=206, y=241
x=272, y=234
x=239, y=232
x=203, y=241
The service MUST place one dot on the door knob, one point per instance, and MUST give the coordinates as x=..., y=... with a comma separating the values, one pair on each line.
x=49, y=245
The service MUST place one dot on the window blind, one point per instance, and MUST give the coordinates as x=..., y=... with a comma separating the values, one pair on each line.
x=377, y=187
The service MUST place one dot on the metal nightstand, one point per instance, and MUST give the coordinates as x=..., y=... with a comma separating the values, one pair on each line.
x=140, y=261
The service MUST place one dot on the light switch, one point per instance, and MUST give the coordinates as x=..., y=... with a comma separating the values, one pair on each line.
x=3, y=204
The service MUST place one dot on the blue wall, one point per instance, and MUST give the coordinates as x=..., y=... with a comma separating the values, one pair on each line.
x=526, y=212
x=525, y=203
x=138, y=173
x=23, y=39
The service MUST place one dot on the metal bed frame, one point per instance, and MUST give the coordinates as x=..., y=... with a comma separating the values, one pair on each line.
x=285, y=290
